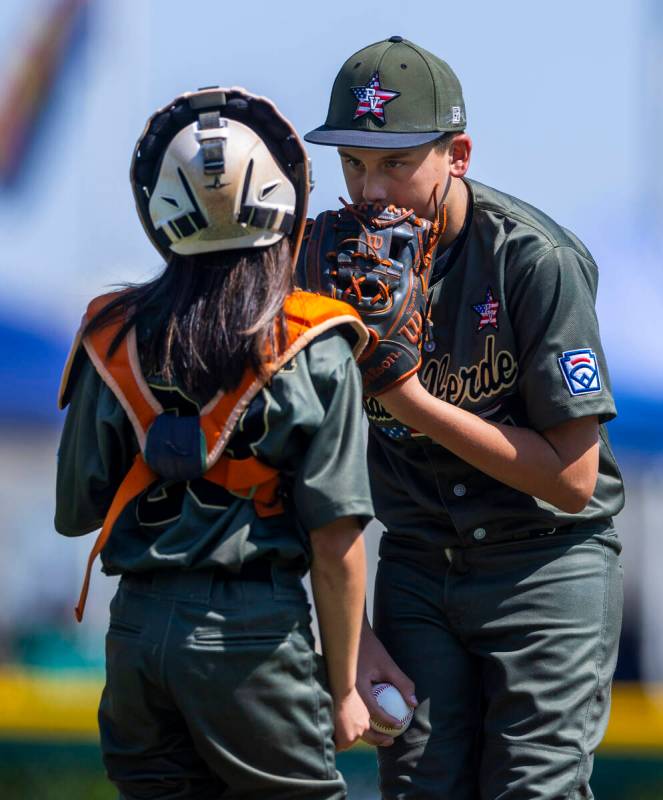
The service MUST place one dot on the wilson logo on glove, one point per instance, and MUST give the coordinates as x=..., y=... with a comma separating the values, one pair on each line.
x=413, y=328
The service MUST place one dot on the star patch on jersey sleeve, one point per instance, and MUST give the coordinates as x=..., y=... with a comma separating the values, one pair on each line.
x=581, y=371
x=487, y=311
x=372, y=98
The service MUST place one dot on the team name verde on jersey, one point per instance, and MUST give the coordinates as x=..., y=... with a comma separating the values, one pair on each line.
x=494, y=373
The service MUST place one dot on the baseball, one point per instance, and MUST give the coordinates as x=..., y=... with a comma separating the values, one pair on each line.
x=391, y=700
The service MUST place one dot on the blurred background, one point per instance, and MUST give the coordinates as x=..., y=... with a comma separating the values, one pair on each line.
x=564, y=106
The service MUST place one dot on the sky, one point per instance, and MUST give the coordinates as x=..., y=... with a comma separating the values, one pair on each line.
x=560, y=103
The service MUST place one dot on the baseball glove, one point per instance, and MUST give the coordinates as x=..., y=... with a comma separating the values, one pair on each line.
x=379, y=261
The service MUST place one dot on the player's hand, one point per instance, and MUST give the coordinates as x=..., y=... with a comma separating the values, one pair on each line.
x=377, y=666
x=351, y=720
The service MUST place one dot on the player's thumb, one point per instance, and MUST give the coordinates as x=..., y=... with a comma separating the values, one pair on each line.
x=404, y=685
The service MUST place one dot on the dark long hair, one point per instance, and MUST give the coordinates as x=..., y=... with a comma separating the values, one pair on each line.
x=209, y=316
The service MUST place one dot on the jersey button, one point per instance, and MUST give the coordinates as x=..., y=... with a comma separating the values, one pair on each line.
x=460, y=490
x=479, y=534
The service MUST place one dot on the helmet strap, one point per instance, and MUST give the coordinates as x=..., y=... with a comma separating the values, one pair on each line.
x=213, y=147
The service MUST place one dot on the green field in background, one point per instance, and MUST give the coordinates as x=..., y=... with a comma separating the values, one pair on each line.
x=48, y=733
x=49, y=771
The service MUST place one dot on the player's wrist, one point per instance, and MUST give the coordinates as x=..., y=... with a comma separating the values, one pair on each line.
x=343, y=694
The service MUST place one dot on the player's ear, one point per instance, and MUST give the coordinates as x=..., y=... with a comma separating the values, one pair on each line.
x=460, y=151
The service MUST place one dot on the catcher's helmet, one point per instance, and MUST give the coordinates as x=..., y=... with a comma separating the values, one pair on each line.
x=220, y=169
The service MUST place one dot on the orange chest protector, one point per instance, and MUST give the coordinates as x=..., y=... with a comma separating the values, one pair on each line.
x=181, y=448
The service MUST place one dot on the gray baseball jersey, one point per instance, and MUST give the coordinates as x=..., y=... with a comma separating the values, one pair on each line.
x=306, y=422
x=516, y=341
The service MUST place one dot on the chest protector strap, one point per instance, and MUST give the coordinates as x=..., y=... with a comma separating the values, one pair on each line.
x=307, y=317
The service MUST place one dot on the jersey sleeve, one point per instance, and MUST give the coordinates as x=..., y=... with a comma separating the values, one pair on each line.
x=562, y=370
x=318, y=434
x=96, y=450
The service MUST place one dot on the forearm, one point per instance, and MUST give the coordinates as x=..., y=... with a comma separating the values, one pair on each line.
x=338, y=578
x=519, y=457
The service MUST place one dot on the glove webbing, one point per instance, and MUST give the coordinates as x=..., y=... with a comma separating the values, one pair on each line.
x=371, y=254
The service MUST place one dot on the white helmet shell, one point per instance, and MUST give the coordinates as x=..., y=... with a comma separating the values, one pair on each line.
x=219, y=188
x=220, y=169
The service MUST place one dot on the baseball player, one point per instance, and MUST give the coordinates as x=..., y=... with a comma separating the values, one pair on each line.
x=498, y=591
x=214, y=426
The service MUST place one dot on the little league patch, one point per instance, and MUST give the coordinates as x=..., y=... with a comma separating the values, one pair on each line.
x=581, y=371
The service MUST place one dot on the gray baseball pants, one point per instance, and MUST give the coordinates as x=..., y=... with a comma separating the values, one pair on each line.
x=512, y=647
x=213, y=690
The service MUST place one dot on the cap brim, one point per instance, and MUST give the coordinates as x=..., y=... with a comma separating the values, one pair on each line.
x=369, y=139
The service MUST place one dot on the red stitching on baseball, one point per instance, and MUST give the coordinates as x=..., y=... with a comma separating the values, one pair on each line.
x=377, y=691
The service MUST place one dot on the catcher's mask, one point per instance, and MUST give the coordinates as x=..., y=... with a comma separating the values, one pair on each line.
x=220, y=169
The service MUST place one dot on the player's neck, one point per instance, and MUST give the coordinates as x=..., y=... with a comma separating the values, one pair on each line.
x=458, y=200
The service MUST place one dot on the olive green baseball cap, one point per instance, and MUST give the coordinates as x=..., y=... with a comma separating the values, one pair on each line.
x=392, y=94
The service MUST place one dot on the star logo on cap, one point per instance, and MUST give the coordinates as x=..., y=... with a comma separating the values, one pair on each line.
x=372, y=98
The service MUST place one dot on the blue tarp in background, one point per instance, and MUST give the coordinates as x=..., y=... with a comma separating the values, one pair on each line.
x=31, y=364
x=30, y=369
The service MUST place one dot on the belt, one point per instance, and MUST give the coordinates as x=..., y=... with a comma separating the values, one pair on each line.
x=396, y=547
x=539, y=533
x=257, y=570
x=458, y=556
x=595, y=525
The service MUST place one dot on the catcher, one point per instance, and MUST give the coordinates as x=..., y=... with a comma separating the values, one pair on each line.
x=498, y=590
x=214, y=426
